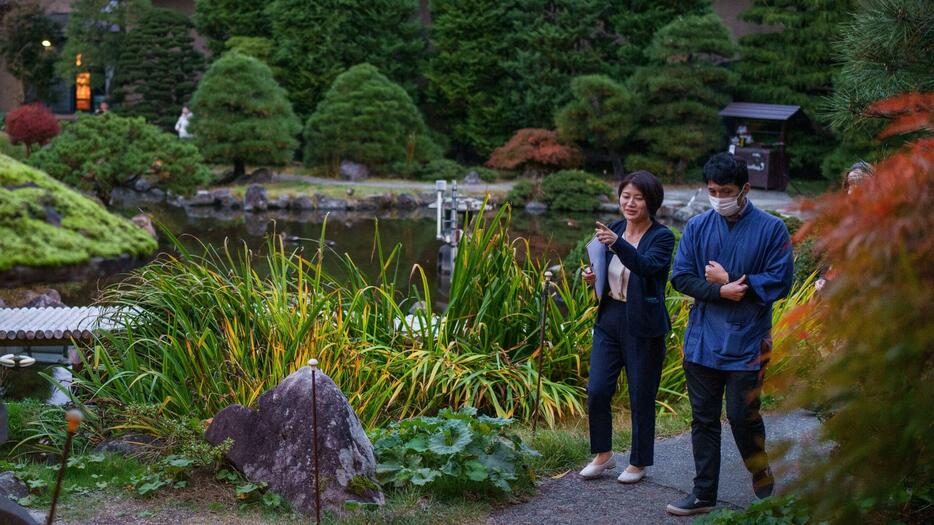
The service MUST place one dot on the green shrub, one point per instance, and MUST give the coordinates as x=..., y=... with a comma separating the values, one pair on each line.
x=7, y=148
x=807, y=260
x=486, y=174
x=241, y=115
x=456, y=450
x=366, y=118
x=780, y=510
x=574, y=190
x=521, y=193
x=100, y=153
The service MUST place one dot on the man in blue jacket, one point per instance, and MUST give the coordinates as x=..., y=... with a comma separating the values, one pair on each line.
x=735, y=261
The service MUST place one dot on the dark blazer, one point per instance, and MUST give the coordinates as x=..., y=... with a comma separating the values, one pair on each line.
x=646, y=315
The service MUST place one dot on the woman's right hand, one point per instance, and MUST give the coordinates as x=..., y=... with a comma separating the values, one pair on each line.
x=589, y=277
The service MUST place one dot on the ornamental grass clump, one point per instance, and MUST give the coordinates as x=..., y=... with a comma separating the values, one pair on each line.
x=206, y=331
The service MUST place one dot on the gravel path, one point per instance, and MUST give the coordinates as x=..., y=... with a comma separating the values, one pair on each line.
x=572, y=499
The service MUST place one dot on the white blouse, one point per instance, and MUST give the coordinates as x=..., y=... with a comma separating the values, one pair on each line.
x=619, y=277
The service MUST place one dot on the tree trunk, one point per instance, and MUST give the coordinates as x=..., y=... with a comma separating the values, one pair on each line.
x=680, y=168
x=618, y=169
x=239, y=170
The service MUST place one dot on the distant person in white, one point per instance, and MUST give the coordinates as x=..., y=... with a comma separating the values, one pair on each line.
x=181, y=126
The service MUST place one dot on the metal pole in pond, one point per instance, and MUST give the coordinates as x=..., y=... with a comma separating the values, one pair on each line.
x=313, y=363
x=541, y=352
x=73, y=417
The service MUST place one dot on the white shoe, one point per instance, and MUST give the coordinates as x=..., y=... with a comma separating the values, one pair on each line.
x=593, y=470
x=632, y=477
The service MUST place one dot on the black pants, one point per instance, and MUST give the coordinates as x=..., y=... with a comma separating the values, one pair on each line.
x=706, y=387
x=614, y=349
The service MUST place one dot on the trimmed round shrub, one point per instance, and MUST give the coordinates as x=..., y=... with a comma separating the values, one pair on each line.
x=31, y=124
x=241, y=115
x=366, y=118
x=100, y=153
x=521, y=193
x=574, y=190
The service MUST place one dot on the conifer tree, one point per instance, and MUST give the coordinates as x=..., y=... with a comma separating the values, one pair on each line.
x=887, y=49
x=366, y=118
x=317, y=41
x=467, y=82
x=158, y=68
x=220, y=20
x=794, y=65
x=22, y=32
x=603, y=113
x=241, y=115
x=557, y=40
x=682, y=91
x=96, y=31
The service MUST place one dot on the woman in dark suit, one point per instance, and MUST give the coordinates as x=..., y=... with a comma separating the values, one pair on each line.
x=631, y=324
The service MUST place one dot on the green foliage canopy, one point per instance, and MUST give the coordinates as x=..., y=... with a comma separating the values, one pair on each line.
x=158, y=68
x=681, y=92
x=96, y=30
x=23, y=29
x=367, y=118
x=241, y=115
x=574, y=190
x=603, y=113
x=220, y=20
x=317, y=41
x=99, y=153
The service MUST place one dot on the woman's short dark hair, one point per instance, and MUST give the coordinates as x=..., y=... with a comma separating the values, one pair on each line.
x=645, y=182
x=724, y=168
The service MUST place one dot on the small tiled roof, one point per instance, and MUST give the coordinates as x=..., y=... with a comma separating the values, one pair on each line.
x=759, y=111
x=55, y=323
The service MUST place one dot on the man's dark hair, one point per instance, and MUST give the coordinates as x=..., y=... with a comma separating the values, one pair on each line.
x=724, y=168
x=645, y=182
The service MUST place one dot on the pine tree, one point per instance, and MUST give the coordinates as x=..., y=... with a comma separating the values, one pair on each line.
x=96, y=31
x=241, y=115
x=21, y=35
x=886, y=50
x=317, y=41
x=603, y=113
x=467, y=83
x=794, y=65
x=681, y=93
x=366, y=118
x=220, y=20
x=158, y=68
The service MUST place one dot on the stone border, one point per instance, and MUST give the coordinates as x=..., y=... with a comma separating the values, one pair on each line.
x=18, y=276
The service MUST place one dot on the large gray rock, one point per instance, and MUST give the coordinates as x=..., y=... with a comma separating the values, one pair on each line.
x=353, y=171
x=406, y=201
x=274, y=444
x=143, y=221
x=225, y=199
x=11, y=487
x=282, y=202
x=302, y=202
x=255, y=198
x=472, y=177
x=691, y=209
x=329, y=203
x=201, y=198
x=48, y=299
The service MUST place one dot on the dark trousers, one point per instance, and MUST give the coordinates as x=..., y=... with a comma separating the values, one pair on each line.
x=614, y=349
x=706, y=387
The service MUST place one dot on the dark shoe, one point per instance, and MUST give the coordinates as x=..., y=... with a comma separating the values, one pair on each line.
x=763, y=482
x=690, y=506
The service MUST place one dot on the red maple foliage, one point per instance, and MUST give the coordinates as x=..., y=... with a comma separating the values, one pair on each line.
x=31, y=124
x=536, y=152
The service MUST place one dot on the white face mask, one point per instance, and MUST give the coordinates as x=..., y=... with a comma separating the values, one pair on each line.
x=726, y=206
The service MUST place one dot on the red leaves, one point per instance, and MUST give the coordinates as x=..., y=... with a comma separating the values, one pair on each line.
x=539, y=148
x=31, y=124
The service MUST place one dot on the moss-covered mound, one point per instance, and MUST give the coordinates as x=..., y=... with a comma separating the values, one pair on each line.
x=45, y=223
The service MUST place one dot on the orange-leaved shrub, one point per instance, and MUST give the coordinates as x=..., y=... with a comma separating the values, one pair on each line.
x=536, y=152
x=877, y=332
